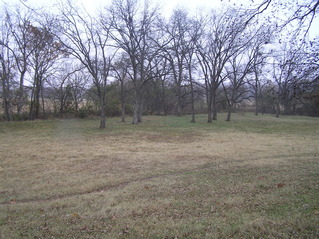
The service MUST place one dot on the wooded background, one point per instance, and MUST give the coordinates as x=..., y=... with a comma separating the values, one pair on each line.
x=128, y=59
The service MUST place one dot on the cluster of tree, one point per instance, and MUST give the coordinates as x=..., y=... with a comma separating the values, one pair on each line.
x=129, y=59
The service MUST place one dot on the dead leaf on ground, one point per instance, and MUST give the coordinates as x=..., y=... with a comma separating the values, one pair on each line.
x=280, y=185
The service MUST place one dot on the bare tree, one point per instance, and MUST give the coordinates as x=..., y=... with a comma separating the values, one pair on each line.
x=301, y=12
x=237, y=70
x=182, y=33
x=121, y=71
x=224, y=36
x=78, y=83
x=258, y=53
x=176, y=51
x=6, y=71
x=67, y=88
x=255, y=82
x=86, y=40
x=294, y=67
x=19, y=23
x=132, y=28
x=47, y=49
x=285, y=63
x=194, y=34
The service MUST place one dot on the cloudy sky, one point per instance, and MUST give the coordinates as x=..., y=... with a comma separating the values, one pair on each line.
x=166, y=5
x=92, y=5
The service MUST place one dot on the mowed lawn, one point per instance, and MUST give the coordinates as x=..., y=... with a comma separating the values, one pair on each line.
x=253, y=177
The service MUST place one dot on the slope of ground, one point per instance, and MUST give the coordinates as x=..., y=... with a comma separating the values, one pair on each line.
x=165, y=178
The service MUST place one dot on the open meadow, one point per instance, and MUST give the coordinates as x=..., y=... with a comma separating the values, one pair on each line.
x=253, y=177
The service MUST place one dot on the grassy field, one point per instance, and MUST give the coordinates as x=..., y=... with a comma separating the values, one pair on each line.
x=253, y=177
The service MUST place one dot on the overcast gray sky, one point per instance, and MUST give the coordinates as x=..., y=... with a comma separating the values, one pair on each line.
x=93, y=5
x=167, y=6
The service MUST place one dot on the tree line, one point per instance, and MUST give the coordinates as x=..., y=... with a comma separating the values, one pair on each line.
x=130, y=59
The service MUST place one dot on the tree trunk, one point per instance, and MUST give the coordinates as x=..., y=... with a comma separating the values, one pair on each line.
x=262, y=105
x=37, y=102
x=278, y=109
x=6, y=100
x=103, y=120
x=179, y=101
x=158, y=105
x=256, y=102
x=31, y=105
x=140, y=111
x=256, y=90
x=164, y=98
x=135, y=113
x=179, y=106
x=21, y=94
x=6, y=91
x=214, y=108
x=193, y=115
x=123, y=112
x=229, y=113
x=103, y=112
x=209, y=114
x=42, y=101
x=209, y=108
x=122, y=100
x=61, y=106
x=294, y=105
x=20, y=102
x=192, y=95
x=8, y=110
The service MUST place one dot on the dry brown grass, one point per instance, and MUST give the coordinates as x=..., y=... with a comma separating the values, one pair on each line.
x=162, y=179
